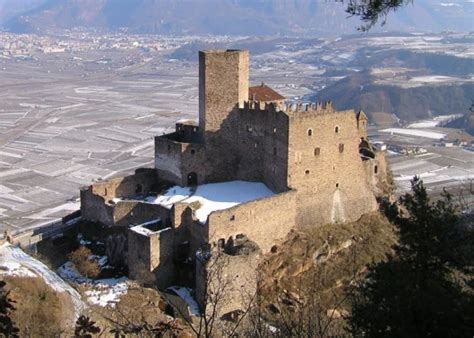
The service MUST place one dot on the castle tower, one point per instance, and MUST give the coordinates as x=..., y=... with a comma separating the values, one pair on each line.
x=223, y=84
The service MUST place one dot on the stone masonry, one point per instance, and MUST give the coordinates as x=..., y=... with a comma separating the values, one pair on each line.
x=317, y=161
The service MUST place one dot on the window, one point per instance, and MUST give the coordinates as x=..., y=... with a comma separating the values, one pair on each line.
x=255, y=145
x=139, y=189
x=249, y=129
x=232, y=218
x=337, y=185
x=376, y=169
x=336, y=130
x=193, y=151
x=307, y=172
x=169, y=147
x=310, y=132
x=274, y=151
x=274, y=130
x=341, y=147
x=317, y=151
x=195, y=130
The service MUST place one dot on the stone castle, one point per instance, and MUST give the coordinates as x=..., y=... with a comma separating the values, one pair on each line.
x=316, y=162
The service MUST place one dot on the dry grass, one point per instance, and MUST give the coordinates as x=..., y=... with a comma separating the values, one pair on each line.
x=83, y=263
x=40, y=311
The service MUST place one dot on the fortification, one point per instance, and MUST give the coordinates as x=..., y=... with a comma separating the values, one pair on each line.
x=316, y=164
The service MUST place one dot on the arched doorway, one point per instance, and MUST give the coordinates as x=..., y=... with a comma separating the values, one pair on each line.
x=192, y=179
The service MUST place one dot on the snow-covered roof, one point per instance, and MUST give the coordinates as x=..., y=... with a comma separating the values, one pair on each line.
x=214, y=196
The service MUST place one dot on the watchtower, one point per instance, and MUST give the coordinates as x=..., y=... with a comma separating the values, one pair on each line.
x=223, y=85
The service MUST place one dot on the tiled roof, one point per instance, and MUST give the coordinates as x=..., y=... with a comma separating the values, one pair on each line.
x=264, y=93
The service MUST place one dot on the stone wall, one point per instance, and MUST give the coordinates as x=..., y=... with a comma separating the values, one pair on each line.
x=96, y=200
x=223, y=84
x=325, y=167
x=150, y=257
x=263, y=221
x=129, y=213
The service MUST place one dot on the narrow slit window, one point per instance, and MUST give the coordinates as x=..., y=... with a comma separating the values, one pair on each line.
x=310, y=132
x=317, y=151
x=336, y=130
x=341, y=147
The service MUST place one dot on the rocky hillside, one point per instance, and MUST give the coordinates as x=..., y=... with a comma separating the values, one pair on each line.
x=242, y=17
x=322, y=262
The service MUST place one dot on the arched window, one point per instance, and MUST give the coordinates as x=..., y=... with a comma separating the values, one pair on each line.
x=337, y=185
x=317, y=151
x=310, y=132
x=193, y=151
x=336, y=130
x=274, y=130
x=307, y=172
x=341, y=147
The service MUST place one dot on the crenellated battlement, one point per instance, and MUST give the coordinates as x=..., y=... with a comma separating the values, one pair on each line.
x=296, y=110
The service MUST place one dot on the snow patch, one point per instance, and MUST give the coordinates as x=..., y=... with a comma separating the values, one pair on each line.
x=415, y=132
x=103, y=292
x=214, y=196
x=15, y=262
x=185, y=294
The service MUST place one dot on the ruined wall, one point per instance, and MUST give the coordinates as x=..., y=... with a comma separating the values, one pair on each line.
x=168, y=159
x=142, y=182
x=263, y=221
x=128, y=213
x=94, y=208
x=151, y=257
x=325, y=166
x=96, y=200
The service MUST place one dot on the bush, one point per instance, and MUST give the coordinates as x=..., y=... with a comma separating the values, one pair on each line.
x=83, y=262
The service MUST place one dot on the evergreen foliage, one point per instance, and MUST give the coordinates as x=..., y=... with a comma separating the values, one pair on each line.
x=414, y=293
x=7, y=326
x=371, y=11
x=85, y=328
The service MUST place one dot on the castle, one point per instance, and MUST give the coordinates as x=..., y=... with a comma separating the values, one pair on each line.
x=306, y=165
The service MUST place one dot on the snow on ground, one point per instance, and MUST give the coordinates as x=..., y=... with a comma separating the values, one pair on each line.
x=185, y=294
x=214, y=196
x=103, y=292
x=415, y=132
x=434, y=122
x=15, y=262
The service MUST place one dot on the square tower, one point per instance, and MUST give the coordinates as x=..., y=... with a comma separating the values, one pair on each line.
x=223, y=85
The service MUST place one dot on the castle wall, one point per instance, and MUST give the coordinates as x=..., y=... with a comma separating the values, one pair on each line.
x=128, y=213
x=142, y=182
x=95, y=209
x=168, y=159
x=263, y=221
x=326, y=169
x=150, y=257
x=97, y=205
x=262, y=146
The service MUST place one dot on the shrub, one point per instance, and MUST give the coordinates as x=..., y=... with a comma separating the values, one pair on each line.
x=83, y=262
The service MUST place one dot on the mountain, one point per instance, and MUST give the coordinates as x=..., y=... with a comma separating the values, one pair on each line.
x=237, y=17
x=361, y=91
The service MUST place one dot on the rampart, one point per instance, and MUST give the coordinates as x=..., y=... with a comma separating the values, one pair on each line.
x=262, y=221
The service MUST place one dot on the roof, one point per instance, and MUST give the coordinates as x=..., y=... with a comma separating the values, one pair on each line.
x=264, y=93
